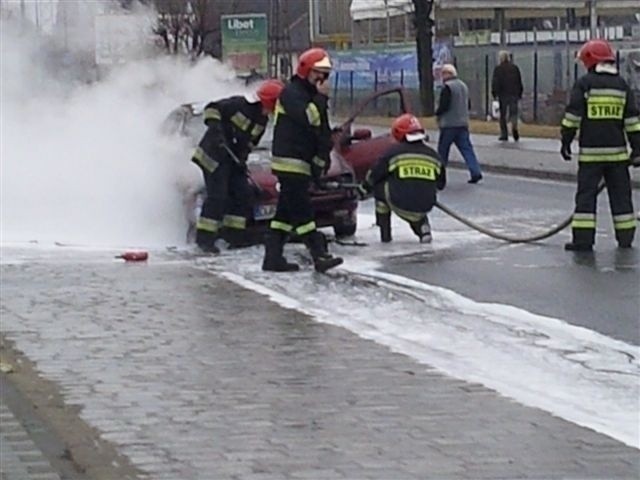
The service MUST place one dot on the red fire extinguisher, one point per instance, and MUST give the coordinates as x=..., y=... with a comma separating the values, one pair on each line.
x=134, y=256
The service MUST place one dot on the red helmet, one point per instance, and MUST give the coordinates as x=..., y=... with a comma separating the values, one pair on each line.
x=313, y=59
x=594, y=52
x=407, y=127
x=268, y=93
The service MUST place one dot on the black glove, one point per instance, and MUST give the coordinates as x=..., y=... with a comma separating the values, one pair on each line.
x=635, y=159
x=318, y=169
x=565, y=151
x=363, y=191
x=441, y=182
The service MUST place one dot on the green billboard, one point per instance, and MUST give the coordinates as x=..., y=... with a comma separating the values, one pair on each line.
x=244, y=42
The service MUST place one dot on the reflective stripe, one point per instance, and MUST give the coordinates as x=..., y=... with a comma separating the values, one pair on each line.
x=241, y=121
x=382, y=207
x=606, y=99
x=234, y=221
x=279, y=110
x=256, y=131
x=204, y=160
x=612, y=92
x=306, y=228
x=290, y=165
x=602, y=150
x=413, y=159
x=208, y=225
x=584, y=216
x=313, y=114
x=624, y=222
x=404, y=214
x=319, y=162
x=583, y=220
x=571, y=117
x=570, y=123
x=276, y=225
x=632, y=124
x=211, y=113
x=604, y=157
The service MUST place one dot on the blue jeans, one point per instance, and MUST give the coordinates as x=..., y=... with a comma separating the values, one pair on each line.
x=459, y=136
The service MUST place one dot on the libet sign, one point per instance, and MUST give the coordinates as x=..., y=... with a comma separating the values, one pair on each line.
x=244, y=42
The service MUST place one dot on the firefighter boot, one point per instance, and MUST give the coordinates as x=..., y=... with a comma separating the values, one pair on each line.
x=423, y=230
x=322, y=259
x=383, y=220
x=207, y=241
x=578, y=247
x=274, y=261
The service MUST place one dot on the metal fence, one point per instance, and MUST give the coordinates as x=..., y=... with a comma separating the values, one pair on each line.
x=548, y=73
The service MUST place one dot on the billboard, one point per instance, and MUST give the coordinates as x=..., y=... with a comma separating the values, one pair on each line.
x=385, y=66
x=245, y=42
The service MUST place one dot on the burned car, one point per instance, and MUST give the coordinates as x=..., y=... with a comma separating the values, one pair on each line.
x=333, y=198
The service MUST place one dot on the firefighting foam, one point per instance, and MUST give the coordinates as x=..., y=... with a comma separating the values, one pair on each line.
x=85, y=162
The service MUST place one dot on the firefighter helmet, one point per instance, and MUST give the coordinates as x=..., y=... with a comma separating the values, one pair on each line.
x=594, y=52
x=313, y=59
x=407, y=127
x=268, y=93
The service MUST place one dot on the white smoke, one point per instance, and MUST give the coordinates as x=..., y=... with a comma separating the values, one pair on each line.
x=87, y=163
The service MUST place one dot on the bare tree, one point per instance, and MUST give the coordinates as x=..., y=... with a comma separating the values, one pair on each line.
x=424, y=45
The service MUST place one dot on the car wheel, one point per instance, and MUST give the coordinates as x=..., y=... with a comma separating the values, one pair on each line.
x=345, y=229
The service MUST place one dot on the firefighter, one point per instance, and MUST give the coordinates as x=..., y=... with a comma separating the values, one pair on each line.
x=404, y=180
x=603, y=108
x=235, y=125
x=301, y=146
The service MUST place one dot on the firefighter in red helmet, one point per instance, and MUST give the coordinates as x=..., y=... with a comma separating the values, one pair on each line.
x=301, y=147
x=603, y=108
x=235, y=125
x=404, y=180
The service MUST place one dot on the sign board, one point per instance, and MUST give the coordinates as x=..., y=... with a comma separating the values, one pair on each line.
x=245, y=42
x=119, y=38
x=385, y=67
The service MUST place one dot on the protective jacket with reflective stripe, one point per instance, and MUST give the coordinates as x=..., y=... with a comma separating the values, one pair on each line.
x=412, y=171
x=235, y=122
x=603, y=108
x=301, y=137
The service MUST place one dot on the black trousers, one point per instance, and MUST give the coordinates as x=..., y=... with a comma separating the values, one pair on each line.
x=228, y=201
x=508, y=113
x=294, y=213
x=618, y=183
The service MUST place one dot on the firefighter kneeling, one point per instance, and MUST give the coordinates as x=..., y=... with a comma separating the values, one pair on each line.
x=603, y=108
x=405, y=179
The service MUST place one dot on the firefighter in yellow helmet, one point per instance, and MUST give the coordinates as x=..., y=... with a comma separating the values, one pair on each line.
x=603, y=108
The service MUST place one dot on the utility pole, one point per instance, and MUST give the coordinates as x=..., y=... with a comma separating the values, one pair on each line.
x=424, y=49
x=593, y=18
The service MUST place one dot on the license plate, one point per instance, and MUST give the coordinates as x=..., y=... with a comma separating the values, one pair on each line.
x=264, y=212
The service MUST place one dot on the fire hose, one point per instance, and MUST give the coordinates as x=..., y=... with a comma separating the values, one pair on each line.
x=507, y=238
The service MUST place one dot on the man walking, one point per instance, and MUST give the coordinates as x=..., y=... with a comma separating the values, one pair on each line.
x=453, y=120
x=506, y=86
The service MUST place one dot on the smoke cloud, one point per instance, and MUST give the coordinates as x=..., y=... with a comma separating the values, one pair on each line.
x=86, y=163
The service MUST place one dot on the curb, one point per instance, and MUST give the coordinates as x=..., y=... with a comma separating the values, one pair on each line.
x=531, y=173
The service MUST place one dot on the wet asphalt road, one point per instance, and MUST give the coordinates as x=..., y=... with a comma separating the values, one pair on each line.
x=600, y=291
